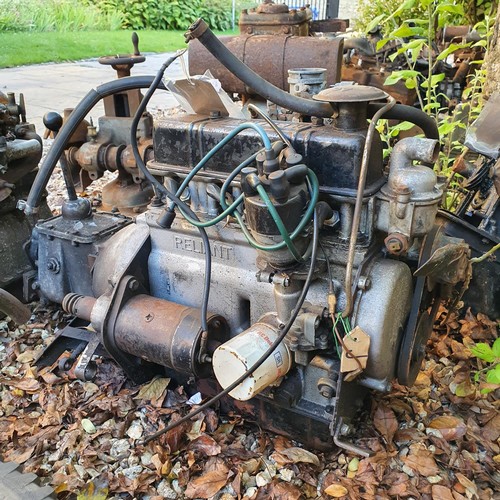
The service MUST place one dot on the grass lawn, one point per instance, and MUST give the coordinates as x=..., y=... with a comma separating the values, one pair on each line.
x=32, y=48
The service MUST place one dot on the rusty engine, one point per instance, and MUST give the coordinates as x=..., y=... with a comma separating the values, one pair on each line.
x=280, y=267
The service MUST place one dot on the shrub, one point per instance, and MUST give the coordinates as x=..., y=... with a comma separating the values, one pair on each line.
x=472, y=11
x=55, y=15
x=169, y=14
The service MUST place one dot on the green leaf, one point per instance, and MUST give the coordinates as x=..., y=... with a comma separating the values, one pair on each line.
x=382, y=43
x=484, y=352
x=406, y=31
x=434, y=80
x=496, y=348
x=452, y=8
x=450, y=49
x=407, y=5
x=375, y=22
x=493, y=376
x=410, y=83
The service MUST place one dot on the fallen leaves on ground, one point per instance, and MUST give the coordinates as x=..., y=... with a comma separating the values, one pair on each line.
x=438, y=440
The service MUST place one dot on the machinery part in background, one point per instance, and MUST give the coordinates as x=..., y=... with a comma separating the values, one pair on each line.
x=20, y=152
x=12, y=307
x=303, y=82
x=368, y=66
x=366, y=74
x=269, y=18
x=477, y=216
x=272, y=56
x=480, y=205
x=93, y=150
x=259, y=214
x=123, y=63
x=483, y=294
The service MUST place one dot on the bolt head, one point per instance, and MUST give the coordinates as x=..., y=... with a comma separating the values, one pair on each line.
x=133, y=285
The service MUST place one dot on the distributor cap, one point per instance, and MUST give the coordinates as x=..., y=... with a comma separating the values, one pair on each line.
x=350, y=93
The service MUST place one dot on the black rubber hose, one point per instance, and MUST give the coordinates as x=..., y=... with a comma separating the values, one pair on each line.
x=408, y=114
x=70, y=126
x=204, y=34
x=160, y=187
x=200, y=30
x=271, y=348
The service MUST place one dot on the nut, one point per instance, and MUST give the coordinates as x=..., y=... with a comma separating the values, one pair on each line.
x=396, y=243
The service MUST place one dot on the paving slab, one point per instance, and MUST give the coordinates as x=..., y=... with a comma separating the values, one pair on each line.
x=54, y=87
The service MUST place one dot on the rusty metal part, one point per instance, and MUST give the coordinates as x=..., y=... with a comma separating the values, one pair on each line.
x=329, y=26
x=156, y=330
x=374, y=77
x=359, y=203
x=449, y=33
x=127, y=197
x=122, y=104
x=396, y=243
x=20, y=153
x=272, y=56
x=275, y=19
x=9, y=305
x=123, y=63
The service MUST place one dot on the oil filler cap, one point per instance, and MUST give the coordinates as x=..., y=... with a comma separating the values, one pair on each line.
x=350, y=93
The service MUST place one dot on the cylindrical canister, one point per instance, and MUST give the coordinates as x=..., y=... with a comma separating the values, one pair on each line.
x=233, y=358
x=306, y=81
x=271, y=56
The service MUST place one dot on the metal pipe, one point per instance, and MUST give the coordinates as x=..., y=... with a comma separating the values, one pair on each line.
x=359, y=203
x=409, y=149
x=410, y=114
x=9, y=305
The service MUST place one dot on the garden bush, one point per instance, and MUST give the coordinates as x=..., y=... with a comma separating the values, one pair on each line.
x=168, y=14
x=472, y=11
x=55, y=15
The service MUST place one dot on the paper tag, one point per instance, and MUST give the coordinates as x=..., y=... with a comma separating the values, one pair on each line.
x=357, y=344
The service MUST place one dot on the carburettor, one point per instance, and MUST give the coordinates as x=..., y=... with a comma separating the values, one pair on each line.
x=266, y=254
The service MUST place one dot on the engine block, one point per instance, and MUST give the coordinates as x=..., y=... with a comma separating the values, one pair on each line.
x=265, y=253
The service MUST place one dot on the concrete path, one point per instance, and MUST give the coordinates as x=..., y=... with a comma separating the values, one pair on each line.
x=54, y=87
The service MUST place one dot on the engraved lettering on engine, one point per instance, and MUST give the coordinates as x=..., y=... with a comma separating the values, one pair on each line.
x=194, y=245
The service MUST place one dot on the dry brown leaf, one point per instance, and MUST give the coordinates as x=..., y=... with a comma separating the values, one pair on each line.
x=399, y=485
x=29, y=385
x=206, y=445
x=336, y=490
x=281, y=443
x=440, y=492
x=279, y=491
x=19, y=455
x=491, y=430
x=250, y=466
x=26, y=357
x=385, y=422
x=422, y=461
x=467, y=484
x=450, y=427
x=208, y=484
x=296, y=455
x=155, y=391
